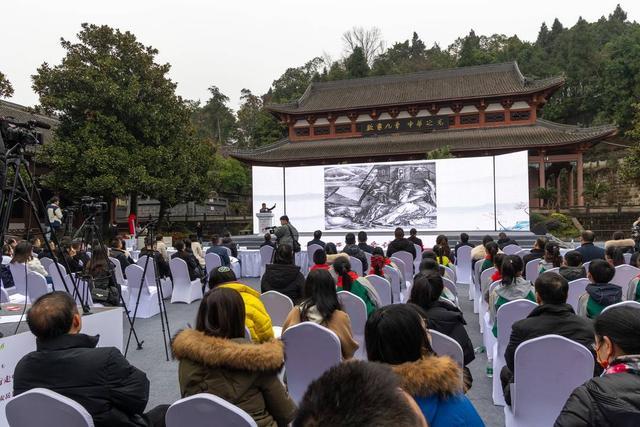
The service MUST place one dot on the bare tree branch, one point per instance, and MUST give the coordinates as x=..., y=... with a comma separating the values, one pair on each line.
x=370, y=40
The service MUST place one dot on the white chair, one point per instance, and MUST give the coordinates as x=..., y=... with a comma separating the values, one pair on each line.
x=624, y=274
x=506, y=316
x=447, y=346
x=551, y=270
x=627, y=258
x=531, y=270
x=6, y=259
x=576, y=289
x=311, y=249
x=511, y=249
x=407, y=260
x=247, y=334
x=521, y=253
x=148, y=305
x=200, y=410
x=586, y=266
x=266, y=256
x=278, y=306
x=46, y=262
x=165, y=283
x=309, y=349
x=486, y=327
x=383, y=287
x=228, y=250
x=120, y=280
x=42, y=407
x=357, y=311
x=368, y=256
x=418, y=259
x=356, y=266
x=463, y=266
x=477, y=292
x=452, y=287
x=632, y=304
x=212, y=261
x=4, y=296
x=396, y=291
x=450, y=274
x=37, y=286
x=547, y=369
x=485, y=282
x=184, y=289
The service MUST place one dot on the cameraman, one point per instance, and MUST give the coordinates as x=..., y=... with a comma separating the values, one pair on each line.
x=55, y=216
x=287, y=234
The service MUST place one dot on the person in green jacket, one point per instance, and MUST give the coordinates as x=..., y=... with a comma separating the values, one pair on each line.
x=492, y=250
x=349, y=281
x=512, y=287
x=600, y=293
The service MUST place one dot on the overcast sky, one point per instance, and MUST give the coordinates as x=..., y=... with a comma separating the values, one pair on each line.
x=236, y=44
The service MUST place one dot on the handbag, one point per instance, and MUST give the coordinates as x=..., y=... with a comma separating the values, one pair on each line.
x=296, y=244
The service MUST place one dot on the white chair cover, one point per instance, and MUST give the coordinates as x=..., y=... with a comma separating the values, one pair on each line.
x=477, y=297
x=42, y=407
x=383, y=287
x=357, y=311
x=418, y=259
x=547, y=369
x=551, y=270
x=521, y=253
x=120, y=280
x=212, y=261
x=407, y=259
x=200, y=410
x=395, y=282
x=511, y=249
x=486, y=326
x=148, y=305
x=624, y=274
x=165, y=283
x=627, y=258
x=266, y=255
x=506, y=316
x=463, y=266
x=356, y=266
x=576, y=289
x=46, y=262
x=531, y=270
x=310, y=349
x=278, y=306
x=184, y=289
x=311, y=249
x=6, y=259
x=632, y=304
x=446, y=346
x=37, y=286
x=451, y=286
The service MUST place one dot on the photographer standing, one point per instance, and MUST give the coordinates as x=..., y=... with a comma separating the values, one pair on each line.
x=55, y=216
x=287, y=234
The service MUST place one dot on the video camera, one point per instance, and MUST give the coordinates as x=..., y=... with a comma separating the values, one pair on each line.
x=92, y=205
x=13, y=132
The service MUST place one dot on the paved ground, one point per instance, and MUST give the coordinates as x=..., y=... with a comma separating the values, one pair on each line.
x=164, y=375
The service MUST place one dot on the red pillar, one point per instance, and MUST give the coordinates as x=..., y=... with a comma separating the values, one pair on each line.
x=571, y=189
x=542, y=178
x=580, y=180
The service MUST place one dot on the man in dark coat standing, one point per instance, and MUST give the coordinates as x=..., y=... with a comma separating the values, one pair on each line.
x=588, y=250
x=552, y=316
x=99, y=378
x=400, y=244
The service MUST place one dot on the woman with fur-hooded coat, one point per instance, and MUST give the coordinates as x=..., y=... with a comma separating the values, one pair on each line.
x=215, y=358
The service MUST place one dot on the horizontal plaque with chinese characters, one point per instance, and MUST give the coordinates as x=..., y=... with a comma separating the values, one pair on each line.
x=411, y=124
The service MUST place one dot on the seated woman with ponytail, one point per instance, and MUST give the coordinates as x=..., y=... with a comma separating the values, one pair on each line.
x=612, y=399
x=497, y=263
x=512, y=287
x=492, y=250
x=551, y=258
x=441, y=257
x=349, y=281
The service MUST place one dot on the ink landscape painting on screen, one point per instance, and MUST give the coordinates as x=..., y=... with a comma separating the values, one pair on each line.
x=379, y=196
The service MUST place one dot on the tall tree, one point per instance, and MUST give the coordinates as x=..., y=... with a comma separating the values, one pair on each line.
x=356, y=64
x=631, y=164
x=294, y=81
x=215, y=121
x=123, y=129
x=256, y=126
x=367, y=39
x=6, y=90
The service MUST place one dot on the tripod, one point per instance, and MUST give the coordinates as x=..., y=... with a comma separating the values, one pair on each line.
x=14, y=160
x=151, y=260
x=89, y=233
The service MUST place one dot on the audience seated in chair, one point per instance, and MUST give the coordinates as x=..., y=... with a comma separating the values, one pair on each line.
x=552, y=316
x=216, y=358
x=118, y=252
x=480, y=252
x=551, y=258
x=37, y=245
x=588, y=250
x=349, y=281
x=351, y=249
x=196, y=248
x=612, y=399
x=257, y=318
x=283, y=275
x=319, y=260
x=618, y=240
x=491, y=250
x=442, y=259
x=413, y=236
x=195, y=271
x=161, y=247
x=614, y=255
x=316, y=239
x=105, y=289
x=572, y=268
x=321, y=306
x=536, y=252
x=362, y=242
x=442, y=316
x=429, y=266
x=163, y=265
x=267, y=241
x=443, y=242
x=400, y=244
x=369, y=394
x=497, y=264
x=228, y=242
x=69, y=260
x=600, y=292
x=68, y=362
x=397, y=335
x=23, y=254
x=464, y=241
x=512, y=287
x=216, y=248
x=504, y=240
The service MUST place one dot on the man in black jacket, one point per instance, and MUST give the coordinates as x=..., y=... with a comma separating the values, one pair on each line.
x=504, y=240
x=193, y=266
x=537, y=252
x=362, y=242
x=552, y=316
x=100, y=379
x=400, y=244
x=316, y=239
x=588, y=250
x=464, y=241
x=351, y=249
x=117, y=251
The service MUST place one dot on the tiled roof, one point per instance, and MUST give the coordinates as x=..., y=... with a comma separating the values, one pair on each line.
x=542, y=134
x=21, y=114
x=428, y=86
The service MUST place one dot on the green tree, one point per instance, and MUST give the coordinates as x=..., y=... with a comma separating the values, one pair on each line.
x=630, y=168
x=294, y=81
x=256, y=126
x=440, y=153
x=6, y=90
x=123, y=130
x=356, y=64
x=215, y=121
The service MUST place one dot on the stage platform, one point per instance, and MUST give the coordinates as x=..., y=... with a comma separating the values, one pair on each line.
x=525, y=239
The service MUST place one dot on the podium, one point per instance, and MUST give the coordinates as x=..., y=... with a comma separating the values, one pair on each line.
x=265, y=220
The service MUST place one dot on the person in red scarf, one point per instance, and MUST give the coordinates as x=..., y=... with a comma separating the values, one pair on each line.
x=497, y=263
x=319, y=260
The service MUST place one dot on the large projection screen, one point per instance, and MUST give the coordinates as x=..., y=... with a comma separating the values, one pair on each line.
x=476, y=193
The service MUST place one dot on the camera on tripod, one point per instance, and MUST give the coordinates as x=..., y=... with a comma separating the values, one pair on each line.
x=92, y=205
x=21, y=133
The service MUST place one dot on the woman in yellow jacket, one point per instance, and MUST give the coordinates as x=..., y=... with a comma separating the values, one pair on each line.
x=257, y=319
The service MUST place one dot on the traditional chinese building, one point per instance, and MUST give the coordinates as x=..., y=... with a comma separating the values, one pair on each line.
x=473, y=111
